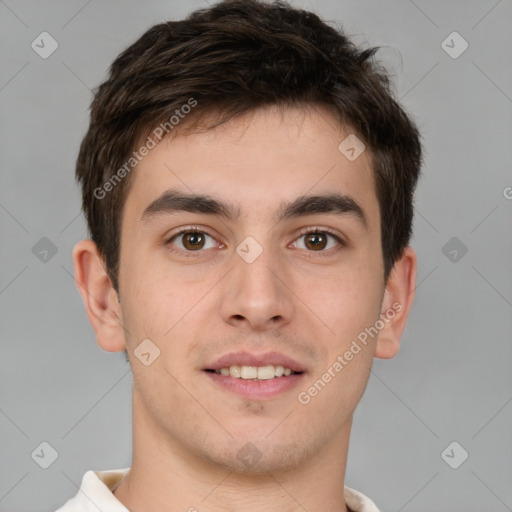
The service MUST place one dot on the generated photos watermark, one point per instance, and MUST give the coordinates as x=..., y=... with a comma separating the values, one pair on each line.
x=159, y=133
x=305, y=397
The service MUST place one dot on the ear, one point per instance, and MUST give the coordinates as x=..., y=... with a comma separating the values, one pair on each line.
x=396, y=304
x=100, y=299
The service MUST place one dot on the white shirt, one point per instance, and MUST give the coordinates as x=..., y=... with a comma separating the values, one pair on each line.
x=96, y=493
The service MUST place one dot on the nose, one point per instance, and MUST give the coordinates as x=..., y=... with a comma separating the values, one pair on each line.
x=255, y=295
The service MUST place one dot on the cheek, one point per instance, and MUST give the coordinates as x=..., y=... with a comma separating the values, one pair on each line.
x=164, y=304
x=146, y=278
x=349, y=301
x=353, y=303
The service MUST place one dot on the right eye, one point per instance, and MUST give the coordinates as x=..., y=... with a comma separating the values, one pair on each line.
x=191, y=240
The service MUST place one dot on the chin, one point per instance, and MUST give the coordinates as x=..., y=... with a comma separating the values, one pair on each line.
x=259, y=457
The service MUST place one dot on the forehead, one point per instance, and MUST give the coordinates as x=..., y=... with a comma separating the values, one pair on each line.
x=258, y=162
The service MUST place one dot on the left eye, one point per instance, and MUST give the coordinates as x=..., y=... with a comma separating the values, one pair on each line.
x=317, y=240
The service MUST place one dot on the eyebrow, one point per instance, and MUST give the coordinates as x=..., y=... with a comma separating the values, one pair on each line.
x=175, y=201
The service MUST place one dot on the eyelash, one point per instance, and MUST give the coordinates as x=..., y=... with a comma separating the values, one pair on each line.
x=306, y=231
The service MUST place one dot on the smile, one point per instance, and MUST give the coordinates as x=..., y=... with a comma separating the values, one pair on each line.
x=255, y=372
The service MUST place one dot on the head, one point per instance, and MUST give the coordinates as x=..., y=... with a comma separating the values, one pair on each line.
x=232, y=124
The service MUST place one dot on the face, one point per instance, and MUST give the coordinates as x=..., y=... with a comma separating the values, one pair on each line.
x=255, y=274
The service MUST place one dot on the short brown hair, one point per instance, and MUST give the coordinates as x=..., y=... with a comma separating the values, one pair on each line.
x=233, y=58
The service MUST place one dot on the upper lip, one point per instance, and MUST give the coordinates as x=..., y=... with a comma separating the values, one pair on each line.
x=249, y=359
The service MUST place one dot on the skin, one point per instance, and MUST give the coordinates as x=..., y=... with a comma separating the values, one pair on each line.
x=187, y=430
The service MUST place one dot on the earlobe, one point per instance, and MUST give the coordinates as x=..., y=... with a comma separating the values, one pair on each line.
x=99, y=297
x=397, y=302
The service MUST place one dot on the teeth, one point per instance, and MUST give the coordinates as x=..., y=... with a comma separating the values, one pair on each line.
x=254, y=372
x=266, y=372
x=249, y=372
x=234, y=371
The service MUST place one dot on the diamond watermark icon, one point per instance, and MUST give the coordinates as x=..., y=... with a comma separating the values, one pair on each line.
x=44, y=45
x=454, y=250
x=454, y=455
x=249, y=249
x=351, y=147
x=44, y=250
x=44, y=455
x=249, y=455
x=146, y=352
x=454, y=45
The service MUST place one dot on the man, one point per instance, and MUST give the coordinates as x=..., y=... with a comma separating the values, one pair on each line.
x=247, y=179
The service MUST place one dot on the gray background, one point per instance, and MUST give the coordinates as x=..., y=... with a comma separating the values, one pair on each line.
x=452, y=378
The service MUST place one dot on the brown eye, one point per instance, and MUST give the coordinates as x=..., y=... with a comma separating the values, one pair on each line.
x=318, y=240
x=315, y=241
x=193, y=240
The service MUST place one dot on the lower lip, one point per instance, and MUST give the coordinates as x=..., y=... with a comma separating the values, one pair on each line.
x=257, y=389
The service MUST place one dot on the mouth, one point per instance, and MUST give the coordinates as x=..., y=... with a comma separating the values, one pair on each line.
x=255, y=372
x=256, y=376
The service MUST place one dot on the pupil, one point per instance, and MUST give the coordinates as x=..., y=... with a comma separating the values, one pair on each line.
x=316, y=240
x=194, y=239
